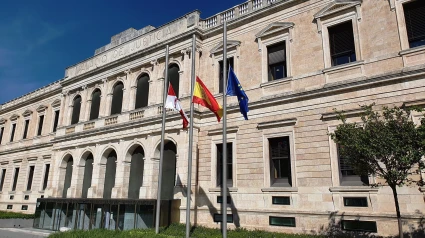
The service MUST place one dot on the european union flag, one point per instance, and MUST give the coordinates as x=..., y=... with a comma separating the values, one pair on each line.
x=234, y=88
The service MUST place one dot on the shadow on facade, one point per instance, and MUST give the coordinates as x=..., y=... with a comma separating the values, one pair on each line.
x=334, y=229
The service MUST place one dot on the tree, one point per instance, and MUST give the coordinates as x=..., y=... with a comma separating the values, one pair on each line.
x=386, y=144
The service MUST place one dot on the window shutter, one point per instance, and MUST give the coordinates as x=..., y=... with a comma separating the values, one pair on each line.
x=414, y=13
x=341, y=39
x=276, y=53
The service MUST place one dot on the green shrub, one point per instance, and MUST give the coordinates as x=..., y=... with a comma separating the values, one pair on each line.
x=12, y=215
x=175, y=230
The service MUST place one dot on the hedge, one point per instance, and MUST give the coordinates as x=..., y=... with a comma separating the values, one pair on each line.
x=12, y=215
x=175, y=230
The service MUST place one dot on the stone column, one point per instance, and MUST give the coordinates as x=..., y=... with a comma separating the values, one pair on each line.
x=69, y=115
x=62, y=112
x=103, y=99
x=108, y=103
x=88, y=108
x=83, y=104
x=132, y=101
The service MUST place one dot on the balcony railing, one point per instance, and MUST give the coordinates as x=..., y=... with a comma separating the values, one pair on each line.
x=88, y=126
x=70, y=130
x=137, y=115
x=236, y=12
x=111, y=120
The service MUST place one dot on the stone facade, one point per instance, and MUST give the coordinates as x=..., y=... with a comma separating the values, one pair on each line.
x=300, y=107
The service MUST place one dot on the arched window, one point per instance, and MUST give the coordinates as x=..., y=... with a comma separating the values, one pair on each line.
x=95, y=104
x=136, y=173
x=169, y=171
x=76, y=107
x=111, y=167
x=174, y=77
x=142, y=93
x=68, y=176
x=88, y=173
x=117, y=95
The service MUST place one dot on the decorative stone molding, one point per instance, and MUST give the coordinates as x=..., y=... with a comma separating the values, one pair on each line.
x=334, y=115
x=41, y=108
x=335, y=7
x=219, y=47
x=17, y=161
x=56, y=103
x=27, y=113
x=217, y=190
x=415, y=103
x=219, y=131
x=2, y=121
x=274, y=28
x=354, y=189
x=14, y=117
x=279, y=189
x=284, y=122
x=392, y=4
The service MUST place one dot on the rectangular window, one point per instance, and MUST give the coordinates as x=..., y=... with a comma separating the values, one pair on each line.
x=282, y=221
x=220, y=77
x=30, y=176
x=46, y=176
x=12, y=133
x=280, y=162
x=355, y=202
x=9, y=207
x=348, y=176
x=27, y=197
x=3, y=175
x=219, y=218
x=364, y=226
x=341, y=42
x=11, y=197
x=276, y=56
x=15, y=179
x=55, y=123
x=24, y=207
x=220, y=199
x=40, y=125
x=414, y=13
x=229, y=166
x=281, y=200
x=1, y=134
x=27, y=123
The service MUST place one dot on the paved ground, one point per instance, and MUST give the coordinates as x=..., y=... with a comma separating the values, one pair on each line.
x=23, y=233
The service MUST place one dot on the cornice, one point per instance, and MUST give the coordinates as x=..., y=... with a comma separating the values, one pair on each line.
x=348, y=113
x=273, y=28
x=26, y=148
x=278, y=123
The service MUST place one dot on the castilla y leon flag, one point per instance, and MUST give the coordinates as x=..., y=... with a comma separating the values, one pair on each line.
x=202, y=96
x=174, y=103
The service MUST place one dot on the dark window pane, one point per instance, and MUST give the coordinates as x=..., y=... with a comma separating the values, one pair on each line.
x=116, y=105
x=276, y=57
x=46, y=176
x=280, y=161
x=230, y=62
x=55, y=124
x=355, y=202
x=348, y=176
x=281, y=200
x=364, y=226
x=12, y=133
x=142, y=93
x=341, y=42
x=1, y=134
x=174, y=78
x=110, y=172
x=95, y=105
x=76, y=107
x=68, y=177
x=27, y=122
x=219, y=218
x=282, y=221
x=3, y=175
x=9, y=207
x=30, y=176
x=136, y=173
x=40, y=125
x=88, y=173
x=15, y=179
x=229, y=166
x=414, y=13
x=220, y=199
x=24, y=207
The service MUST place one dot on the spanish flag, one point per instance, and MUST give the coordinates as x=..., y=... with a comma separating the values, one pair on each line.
x=202, y=96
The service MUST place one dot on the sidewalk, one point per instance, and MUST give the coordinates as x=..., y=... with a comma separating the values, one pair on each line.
x=23, y=233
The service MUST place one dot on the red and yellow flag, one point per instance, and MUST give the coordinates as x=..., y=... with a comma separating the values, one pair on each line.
x=202, y=96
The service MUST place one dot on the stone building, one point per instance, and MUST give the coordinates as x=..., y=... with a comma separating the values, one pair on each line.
x=96, y=132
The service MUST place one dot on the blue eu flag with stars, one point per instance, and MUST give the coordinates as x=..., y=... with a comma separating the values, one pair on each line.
x=234, y=88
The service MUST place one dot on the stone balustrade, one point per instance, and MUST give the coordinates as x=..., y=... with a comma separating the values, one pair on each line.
x=70, y=130
x=88, y=126
x=111, y=120
x=236, y=12
x=137, y=115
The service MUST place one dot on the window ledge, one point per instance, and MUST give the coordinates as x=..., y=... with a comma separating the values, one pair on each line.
x=422, y=189
x=41, y=191
x=279, y=189
x=215, y=190
x=27, y=192
x=275, y=82
x=412, y=50
x=343, y=66
x=357, y=189
x=12, y=192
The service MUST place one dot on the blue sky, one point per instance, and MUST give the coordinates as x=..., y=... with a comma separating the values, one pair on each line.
x=39, y=39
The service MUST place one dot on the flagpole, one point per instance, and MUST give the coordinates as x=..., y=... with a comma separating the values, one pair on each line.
x=189, y=163
x=158, y=197
x=224, y=162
